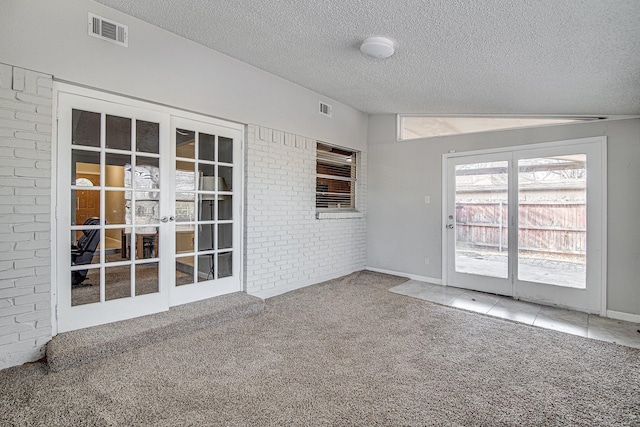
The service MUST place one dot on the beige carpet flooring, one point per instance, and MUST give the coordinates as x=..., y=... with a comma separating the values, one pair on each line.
x=343, y=353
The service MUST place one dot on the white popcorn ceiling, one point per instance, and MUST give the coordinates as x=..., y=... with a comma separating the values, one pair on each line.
x=452, y=56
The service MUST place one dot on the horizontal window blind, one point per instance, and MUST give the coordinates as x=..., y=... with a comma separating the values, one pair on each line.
x=335, y=178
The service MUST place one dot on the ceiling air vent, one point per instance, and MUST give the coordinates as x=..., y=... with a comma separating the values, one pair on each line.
x=108, y=30
x=325, y=109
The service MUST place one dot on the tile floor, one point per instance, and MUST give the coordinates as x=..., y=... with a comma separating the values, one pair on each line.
x=571, y=322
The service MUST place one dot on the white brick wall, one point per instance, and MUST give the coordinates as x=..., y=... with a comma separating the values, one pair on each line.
x=286, y=246
x=25, y=214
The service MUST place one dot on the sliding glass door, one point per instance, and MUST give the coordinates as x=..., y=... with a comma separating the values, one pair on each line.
x=529, y=223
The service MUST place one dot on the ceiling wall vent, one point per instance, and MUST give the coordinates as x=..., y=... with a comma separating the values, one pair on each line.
x=108, y=30
x=325, y=109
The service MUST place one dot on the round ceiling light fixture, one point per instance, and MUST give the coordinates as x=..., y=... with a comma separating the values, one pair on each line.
x=377, y=47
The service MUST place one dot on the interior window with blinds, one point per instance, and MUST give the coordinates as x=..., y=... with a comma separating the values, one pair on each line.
x=336, y=178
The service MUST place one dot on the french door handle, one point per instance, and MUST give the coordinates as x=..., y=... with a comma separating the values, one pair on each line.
x=164, y=219
x=450, y=226
x=172, y=218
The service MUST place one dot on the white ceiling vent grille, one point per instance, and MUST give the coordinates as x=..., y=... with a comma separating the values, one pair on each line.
x=108, y=30
x=325, y=109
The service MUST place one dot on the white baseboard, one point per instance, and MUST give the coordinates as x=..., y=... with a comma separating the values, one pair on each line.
x=627, y=317
x=432, y=280
x=279, y=290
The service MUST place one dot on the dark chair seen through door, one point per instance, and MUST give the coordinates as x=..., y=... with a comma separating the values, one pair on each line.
x=82, y=253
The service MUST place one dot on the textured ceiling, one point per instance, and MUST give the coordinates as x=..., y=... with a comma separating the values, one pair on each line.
x=452, y=56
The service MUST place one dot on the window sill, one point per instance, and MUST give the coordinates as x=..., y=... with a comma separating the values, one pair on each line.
x=339, y=215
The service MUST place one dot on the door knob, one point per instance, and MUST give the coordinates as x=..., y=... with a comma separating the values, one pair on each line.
x=164, y=219
x=172, y=218
x=450, y=226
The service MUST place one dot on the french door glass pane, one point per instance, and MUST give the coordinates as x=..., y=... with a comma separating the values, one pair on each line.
x=147, y=278
x=184, y=239
x=118, y=244
x=90, y=292
x=481, y=195
x=115, y=168
x=225, y=236
x=184, y=270
x=147, y=137
x=552, y=220
x=85, y=129
x=206, y=147
x=207, y=173
x=225, y=150
x=118, y=133
x=85, y=168
x=225, y=264
x=117, y=282
x=85, y=205
x=206, y=267
x=115, y=212
x=185, y=143
x=225, y=208
x=84, y=244
x=226, y=173
x=205, y=237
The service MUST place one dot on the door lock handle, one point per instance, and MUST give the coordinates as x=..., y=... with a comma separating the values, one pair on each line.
x=449, y=226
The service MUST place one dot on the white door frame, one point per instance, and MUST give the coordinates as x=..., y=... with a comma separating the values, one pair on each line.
x=601, y=141
x=60, y=87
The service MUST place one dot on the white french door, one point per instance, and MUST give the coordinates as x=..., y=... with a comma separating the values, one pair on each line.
x=205, y=226
x=148, y=208
x=528, y=222
x=108, y=264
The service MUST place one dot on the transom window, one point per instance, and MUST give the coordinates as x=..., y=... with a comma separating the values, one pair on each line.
x=417, y=126
x=335, y=178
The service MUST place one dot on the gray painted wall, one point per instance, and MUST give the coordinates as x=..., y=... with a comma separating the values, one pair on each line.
x=51, y=37
x=402, y=230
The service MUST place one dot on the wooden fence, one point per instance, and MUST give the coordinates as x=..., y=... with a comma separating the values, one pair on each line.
x=554, y=228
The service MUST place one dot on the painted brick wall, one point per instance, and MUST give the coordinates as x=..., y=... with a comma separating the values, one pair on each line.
x=25, y=214
x=287, y=247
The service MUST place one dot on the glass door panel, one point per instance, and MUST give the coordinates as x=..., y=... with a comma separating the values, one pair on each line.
x=481, y=218
x=561, y=225
x=184, y=270
x=477, y=221
x=552, y=220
